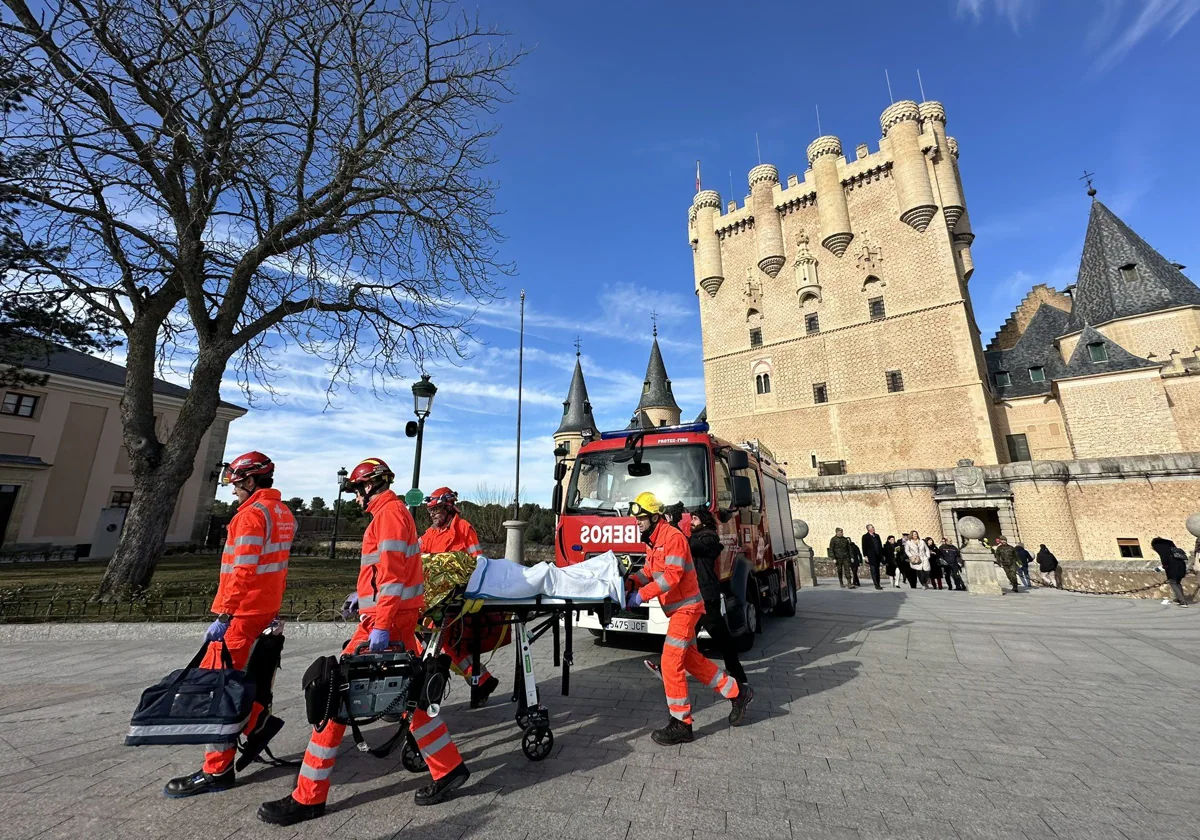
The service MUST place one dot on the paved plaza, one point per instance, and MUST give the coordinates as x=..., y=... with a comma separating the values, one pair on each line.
x=878, y=714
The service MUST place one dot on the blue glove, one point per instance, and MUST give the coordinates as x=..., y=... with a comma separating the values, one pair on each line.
x=215, y=631
x=350, y=606
x=635, y=599
x=378, y=640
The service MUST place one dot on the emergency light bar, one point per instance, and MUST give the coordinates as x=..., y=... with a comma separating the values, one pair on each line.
x=699, y=428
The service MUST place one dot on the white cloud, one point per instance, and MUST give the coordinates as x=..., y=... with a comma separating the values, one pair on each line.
x=1016, y=11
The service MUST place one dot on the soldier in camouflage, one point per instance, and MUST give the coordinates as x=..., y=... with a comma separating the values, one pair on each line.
x=1007, y=559
x=840, y=552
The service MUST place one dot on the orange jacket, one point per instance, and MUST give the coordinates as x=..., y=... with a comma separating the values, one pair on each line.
x=390, y=579
x=254, y=564
x=459, y=535
x=668, y=573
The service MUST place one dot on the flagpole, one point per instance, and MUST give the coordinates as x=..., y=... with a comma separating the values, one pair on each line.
x=520, y=393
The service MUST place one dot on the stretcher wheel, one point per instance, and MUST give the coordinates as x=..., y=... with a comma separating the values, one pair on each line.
x=537, y=742
x=410, y=756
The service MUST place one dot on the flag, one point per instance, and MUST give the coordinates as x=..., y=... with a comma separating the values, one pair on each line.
x=697, y=176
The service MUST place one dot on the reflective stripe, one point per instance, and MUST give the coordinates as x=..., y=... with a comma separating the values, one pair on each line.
x=222, y=747
x=401, y=591
x=662, y=583
x=716, y=678
x=683, y=716
x=317, y=774
x=675, y=560
x=641, y=577
x=369, y=559
x=267, y=568
x=248, y=541
x=473, y=549
x=677, y=701
x=271, y=548
x=246, y=559
x=267, y=516
x=397, y=545
x=730, y=685
x=437, y=746
x=670, y=609
x=682, y=644
x=318, y=751
x=366, y=601
x=226, y=568
x=214, y=730
x=427, y=730
x=228, y=550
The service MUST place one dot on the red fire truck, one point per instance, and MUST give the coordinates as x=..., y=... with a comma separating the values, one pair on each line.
x=741, y=484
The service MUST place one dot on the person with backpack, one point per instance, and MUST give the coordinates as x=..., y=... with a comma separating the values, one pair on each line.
x=1174, y=563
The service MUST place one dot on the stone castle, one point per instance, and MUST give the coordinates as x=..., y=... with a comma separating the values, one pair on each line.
x=838, y=330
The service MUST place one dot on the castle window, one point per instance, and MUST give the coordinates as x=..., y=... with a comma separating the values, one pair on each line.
x=756, y=337
x=832, y=468
x=813, y=456
x=1018, y=448
x=820, y=392
x=645, y=387
x=895, y=381
x=1129, y=547
x=1129, y=275
x=1037, y=374
x=1003, y=379
x=762, y=383
x=19, y=405
x=875, y=307
x=812, y=324
x=1098, y=352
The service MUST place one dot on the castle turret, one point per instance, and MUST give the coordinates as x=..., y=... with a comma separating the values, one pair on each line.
x=901, y=124
x=823, y=156
x=933, y=117
x=577, y=420
x=963, y=236
x=768, y=227
x=706, y=244
x=657, y=406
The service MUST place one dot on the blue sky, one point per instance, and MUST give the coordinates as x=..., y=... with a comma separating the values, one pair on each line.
x=596, y=167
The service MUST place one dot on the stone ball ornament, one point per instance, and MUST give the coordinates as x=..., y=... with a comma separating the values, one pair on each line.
x=971, y=527
x=800, y=529
x=1193, y=524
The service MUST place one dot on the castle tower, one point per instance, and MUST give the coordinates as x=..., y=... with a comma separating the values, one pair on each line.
x=963, y=235
x=901, y=124
x=823, y=156
x=768, y=229
x=577, y=420
x=657, y=406
x=706, y=243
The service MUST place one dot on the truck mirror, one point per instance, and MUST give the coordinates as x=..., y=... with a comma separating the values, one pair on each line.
x=560, y=471
x=724, y=515
x=743, y=495
x=639, y=470
x=737, y=459
x=556, y=498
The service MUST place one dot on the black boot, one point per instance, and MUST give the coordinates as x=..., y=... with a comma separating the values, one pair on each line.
x=288, y=811
x=257, y=740
x=480, y=693
x=441, y=789
x=675, y=732
x=197, y=783
x=740, y=703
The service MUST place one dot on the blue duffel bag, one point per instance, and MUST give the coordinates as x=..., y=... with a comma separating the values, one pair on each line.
x=194, y=705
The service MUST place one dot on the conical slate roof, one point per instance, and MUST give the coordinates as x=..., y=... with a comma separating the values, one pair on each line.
x=1121, y=275
x=1117, y=358
x=656, y=390
x=577, y=410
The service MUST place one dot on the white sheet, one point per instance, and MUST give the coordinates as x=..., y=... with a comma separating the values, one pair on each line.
x=504, y=580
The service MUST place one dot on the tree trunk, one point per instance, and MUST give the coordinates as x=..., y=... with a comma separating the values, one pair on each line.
x=143, y=536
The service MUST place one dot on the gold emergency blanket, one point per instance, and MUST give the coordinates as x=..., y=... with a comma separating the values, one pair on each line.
x=443, y=572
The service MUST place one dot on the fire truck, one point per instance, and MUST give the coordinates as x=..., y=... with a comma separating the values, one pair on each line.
x=742, y=485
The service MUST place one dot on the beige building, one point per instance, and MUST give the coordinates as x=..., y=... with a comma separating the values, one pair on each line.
x=838, y=329
x=63, y=467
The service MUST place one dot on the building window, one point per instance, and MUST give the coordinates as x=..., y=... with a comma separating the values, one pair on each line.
x=875, y=307
x=812, y=324
x=1037, y=374
x=895, y=381
x=1018, y=448
x=645, y=387
x=19, y=405
x=762, y=383
x=1129, y=547
x=662, y=422
x=832, y=468
x=1098, y=352
x=756, y=337
x=121, y=498
x=1003, y=380
x=813, y=456
x=820, y=392
x=1129, y=275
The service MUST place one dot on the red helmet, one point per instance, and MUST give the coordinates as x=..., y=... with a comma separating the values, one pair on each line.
x=370, y=470
x=244, y=466
x=441, y=496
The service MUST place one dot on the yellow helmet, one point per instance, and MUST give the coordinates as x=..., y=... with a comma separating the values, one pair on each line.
x=646, y=503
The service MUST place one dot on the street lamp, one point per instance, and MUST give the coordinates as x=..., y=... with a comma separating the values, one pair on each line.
x=337, y=509
x=423, y=393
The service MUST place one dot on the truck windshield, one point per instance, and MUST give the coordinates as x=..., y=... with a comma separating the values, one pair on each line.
x=676, y=474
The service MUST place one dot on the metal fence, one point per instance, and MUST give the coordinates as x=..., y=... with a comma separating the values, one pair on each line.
x=15, y=609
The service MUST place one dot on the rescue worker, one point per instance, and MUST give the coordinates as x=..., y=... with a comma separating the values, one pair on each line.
x=391, y=597
x=449, y=531
x=670, y=576
x=249, y=594
x=839, y=552
x=1006, y=558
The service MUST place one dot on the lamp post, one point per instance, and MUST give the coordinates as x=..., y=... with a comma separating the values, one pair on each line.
x=423, y=394
x=337, y=509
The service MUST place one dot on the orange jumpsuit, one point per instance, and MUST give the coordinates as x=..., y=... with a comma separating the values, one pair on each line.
x=670, y=576
x=391, y=596
x=459, y=535
x=253, y=578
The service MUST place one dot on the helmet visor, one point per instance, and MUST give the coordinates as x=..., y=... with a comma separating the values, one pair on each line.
x=226, y=475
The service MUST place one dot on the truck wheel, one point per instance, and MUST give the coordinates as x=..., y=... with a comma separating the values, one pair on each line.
x=787, y=608
x=745, y=642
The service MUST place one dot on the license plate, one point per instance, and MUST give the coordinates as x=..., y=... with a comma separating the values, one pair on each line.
x=629, y=625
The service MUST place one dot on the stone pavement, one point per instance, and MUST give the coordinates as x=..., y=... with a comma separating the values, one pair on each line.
x=878, y=714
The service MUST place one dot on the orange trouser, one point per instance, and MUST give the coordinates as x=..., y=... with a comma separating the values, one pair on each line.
x=459, y=650
x=243, y=632
x=680, y=657
x=433, y=739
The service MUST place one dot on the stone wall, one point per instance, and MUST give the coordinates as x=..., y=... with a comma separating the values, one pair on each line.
x=1041, y=421
x=1118, y=415
x=1183, y=394
x=1156, y=333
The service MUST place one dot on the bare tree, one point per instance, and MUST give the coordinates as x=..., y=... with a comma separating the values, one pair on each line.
x=230, y=177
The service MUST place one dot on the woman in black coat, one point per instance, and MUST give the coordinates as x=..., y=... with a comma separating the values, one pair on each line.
x=1174, y=564
x=705, y=543
x=935, y=563
x=1048, y=566
x=889, y=557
